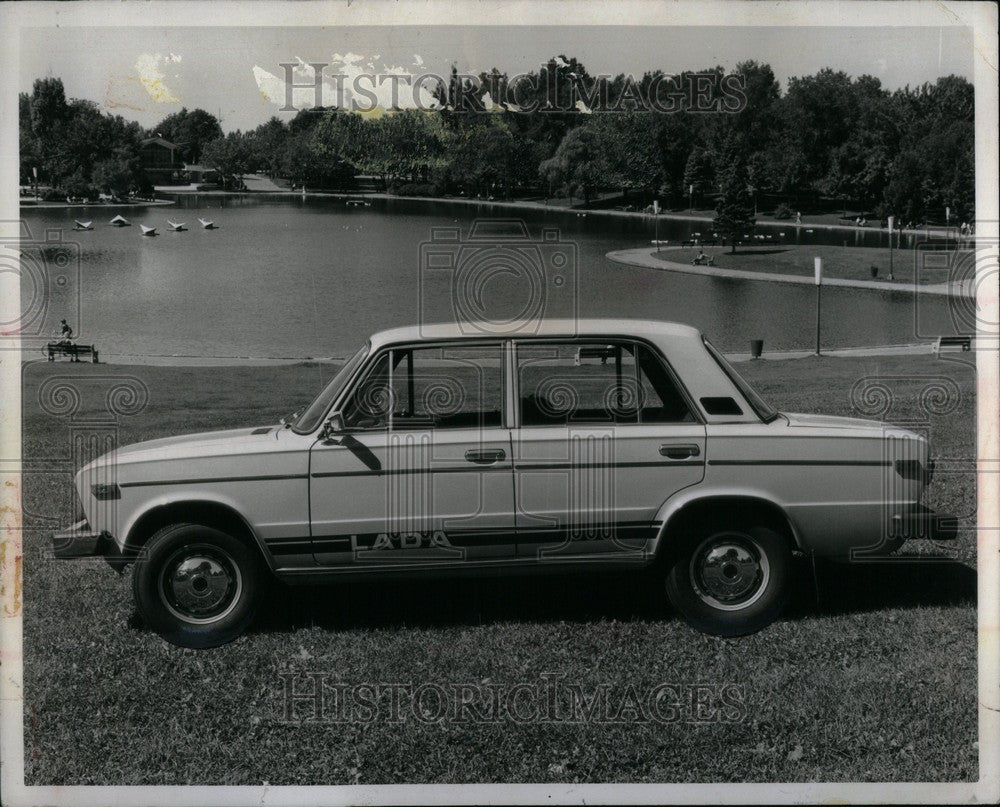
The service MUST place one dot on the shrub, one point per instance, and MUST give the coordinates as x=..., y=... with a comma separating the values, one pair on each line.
x=783, y=211
x=415, y=189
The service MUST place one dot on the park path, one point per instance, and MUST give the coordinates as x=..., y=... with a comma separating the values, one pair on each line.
x=646, y=259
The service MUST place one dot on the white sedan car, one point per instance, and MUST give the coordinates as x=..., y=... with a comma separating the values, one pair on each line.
x=445, y=449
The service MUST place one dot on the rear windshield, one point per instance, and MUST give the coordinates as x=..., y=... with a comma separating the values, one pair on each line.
x=764, y=410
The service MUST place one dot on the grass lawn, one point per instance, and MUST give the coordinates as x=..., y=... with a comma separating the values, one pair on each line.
x=875, y=682
x=851, y=263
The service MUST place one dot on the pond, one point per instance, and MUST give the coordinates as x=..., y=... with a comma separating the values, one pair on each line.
x=291, y=277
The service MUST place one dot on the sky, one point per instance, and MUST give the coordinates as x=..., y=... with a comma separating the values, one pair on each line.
x=144, y=74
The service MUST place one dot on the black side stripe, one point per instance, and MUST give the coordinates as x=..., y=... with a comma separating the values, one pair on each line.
x=803, y=462
x=474, y=537
x=521, y=466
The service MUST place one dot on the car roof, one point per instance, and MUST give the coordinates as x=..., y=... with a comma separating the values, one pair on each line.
x=558, y=328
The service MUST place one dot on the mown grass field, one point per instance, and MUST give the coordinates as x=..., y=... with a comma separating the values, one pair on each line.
x=876, y=681
x=849, y=263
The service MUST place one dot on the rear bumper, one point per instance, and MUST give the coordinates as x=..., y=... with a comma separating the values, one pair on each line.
x=922, y=522
x=79, y=541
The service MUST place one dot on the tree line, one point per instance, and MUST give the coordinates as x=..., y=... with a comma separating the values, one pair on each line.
x=826, y=140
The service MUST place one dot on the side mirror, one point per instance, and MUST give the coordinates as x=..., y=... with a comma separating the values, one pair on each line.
x=334, y=425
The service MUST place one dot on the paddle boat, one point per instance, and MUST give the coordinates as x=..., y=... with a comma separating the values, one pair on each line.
x=208, y=225
x=177, y=227
x=120, y=221
x=147, y=230
x=358, y=203
x=83, y=225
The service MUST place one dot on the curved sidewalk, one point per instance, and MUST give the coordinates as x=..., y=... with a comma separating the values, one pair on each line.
x=646, y=259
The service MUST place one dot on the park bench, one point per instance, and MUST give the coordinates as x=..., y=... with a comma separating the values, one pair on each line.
x=72, y=350
x=700, y=242
x=960, y=341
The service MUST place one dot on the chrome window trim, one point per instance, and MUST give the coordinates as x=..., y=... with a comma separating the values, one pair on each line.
x=696, y=412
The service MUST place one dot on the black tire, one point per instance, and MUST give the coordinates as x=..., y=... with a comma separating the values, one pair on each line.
x=730, y=582
x=197, y=586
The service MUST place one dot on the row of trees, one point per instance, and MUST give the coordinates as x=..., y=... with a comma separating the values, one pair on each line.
x=827, y=139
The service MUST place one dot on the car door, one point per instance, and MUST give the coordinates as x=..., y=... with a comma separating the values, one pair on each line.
x=422, y=472
x=604, y=435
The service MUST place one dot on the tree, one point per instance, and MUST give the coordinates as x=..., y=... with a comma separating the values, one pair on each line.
x=230, y=156
x=119, y=173
x=699, y=173
x=190, y=130
x=734, y=209
x=579, y=167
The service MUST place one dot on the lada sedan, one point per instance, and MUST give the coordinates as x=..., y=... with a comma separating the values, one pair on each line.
x=445, y=449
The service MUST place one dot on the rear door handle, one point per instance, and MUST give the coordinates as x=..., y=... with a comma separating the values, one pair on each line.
x=678, y=451
x=485, y=456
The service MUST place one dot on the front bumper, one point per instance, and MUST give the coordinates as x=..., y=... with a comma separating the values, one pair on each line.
x=922, y=522
x=80, y=541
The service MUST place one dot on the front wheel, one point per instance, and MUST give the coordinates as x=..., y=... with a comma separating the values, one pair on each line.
x=730, y=582
x=197, y=586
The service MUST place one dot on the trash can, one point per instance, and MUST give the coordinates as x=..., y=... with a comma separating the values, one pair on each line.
x=874, y=271
x=756, y=348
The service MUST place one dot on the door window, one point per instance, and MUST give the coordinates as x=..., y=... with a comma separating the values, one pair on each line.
x=596, y=383
x=450, y=387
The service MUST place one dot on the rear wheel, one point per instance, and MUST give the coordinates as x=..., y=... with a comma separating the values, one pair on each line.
x=197, y=586
x=730, y=582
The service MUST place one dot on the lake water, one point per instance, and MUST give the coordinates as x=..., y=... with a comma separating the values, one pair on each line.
x=286, y=277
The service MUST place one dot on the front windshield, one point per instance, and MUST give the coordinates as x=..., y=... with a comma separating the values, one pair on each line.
x=764, y=410
x=313, y=414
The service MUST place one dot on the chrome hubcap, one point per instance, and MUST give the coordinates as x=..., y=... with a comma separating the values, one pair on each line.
x=729, y=571
x=200, y=584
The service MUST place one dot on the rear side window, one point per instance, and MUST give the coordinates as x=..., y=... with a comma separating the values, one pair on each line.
x=595, y=383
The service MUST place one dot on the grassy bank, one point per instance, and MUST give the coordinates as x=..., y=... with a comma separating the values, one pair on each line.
x=851, y=263
x=876, y=682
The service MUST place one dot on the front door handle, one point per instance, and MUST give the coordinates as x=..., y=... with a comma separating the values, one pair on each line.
x=678, y=451
x=485, y=456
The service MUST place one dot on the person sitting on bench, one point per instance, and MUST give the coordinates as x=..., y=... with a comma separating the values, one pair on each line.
x=703, y=260
x=67, y=334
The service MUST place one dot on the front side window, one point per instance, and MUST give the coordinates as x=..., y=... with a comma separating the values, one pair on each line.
x=439, y=387
x=596, y=383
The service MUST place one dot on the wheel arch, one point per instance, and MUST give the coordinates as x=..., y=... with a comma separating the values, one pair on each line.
x=210, y=513
x=755, y=507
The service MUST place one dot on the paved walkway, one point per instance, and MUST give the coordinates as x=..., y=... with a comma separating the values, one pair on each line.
x=646, y=259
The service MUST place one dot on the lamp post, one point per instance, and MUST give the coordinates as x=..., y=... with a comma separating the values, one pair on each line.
x=892, y=220
x=818, y=267
x=656, y=223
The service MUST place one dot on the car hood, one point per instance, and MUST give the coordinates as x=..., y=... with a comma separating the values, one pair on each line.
x=247, y=440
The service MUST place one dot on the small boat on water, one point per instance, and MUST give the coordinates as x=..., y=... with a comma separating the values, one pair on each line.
x=120, y=221
x=147, y=230
x=208, y=225
x=358, y=203
x=177, y=227
x=83, y=225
